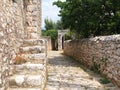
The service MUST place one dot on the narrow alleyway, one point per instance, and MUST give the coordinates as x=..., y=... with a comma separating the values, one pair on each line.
x=65, y=73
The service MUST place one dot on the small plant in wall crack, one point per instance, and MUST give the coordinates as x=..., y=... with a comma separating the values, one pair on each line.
x=104, y=61
x=104, y=81
x=95, y=68
x=19, y=59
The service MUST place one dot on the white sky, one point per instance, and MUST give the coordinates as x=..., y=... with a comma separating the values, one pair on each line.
x=49, y=11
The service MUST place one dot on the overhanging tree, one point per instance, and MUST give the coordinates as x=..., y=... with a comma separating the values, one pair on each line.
x=90, y=17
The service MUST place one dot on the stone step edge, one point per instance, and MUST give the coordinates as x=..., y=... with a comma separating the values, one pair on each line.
x=30, y=66
x=33, y=42
x=32, y=49
x=27, y=81
x=24, y=89
x=35, y=56
x=35, y=46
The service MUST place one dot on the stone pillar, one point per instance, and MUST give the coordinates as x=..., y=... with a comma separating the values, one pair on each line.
x=61, y=34
x=59, y=42
x=33, y=18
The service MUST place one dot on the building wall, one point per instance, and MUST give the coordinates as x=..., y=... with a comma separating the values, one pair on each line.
x=99, y=53
x=16, y=16
x=49, y=43
x=33, y=20
x=11, y=34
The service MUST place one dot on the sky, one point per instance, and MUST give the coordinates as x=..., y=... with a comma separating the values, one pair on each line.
x=49, y=11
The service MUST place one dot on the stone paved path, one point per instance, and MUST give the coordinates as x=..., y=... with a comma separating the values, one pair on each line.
x=65, y=73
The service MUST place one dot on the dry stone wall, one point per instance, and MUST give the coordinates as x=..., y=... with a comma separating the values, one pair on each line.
x=15, y=16
x=11, y=33
x=99, y=53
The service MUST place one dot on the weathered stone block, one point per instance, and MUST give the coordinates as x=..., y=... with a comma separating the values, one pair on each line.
x=31, y=8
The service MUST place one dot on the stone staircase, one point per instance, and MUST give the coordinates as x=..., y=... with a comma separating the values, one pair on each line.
x=32, y=74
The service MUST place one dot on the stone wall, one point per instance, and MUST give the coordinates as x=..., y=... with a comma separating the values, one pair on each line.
x=49, y=43
x=19, y=19
x=33, y=20
x=99, y=53
x=11, y=34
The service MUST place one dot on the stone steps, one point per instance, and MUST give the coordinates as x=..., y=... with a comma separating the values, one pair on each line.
x=24, y=89
x=33, y=42
x=34, y=56
x=29, y=67
x=32, y=49
x=26, y=81
x=32, y=74
x=36, y=61
x=28, y=75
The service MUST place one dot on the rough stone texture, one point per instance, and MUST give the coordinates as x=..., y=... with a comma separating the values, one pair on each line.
x=31, y=49
x=64, y=73
x=25, y=89
x=26, y=80
x=49, y=43
x=32, y=73
x=15, y=16
x=102, y=53
x=11, y=33
x=33, y=20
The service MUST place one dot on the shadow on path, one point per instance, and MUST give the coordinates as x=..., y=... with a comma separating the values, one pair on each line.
x=65, y=73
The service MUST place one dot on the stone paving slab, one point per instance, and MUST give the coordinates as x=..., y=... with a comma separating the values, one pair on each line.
x=26, y=80
x=24, y=89
x=65, y=73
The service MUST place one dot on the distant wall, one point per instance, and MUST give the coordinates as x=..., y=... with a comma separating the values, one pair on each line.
x=49, y=43
x=102, y=53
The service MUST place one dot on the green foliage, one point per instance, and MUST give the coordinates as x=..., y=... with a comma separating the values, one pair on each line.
x=49, y=24
x=51, y=30
x=52, y=33
x=104, y=81
x=68, y=35
x=90, y=17
x=59, y=25
x=95, y=68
